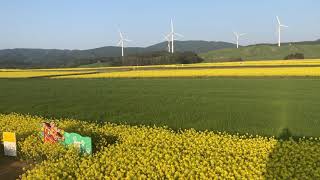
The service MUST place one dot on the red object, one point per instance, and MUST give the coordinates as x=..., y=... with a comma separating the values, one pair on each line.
x=51, y=133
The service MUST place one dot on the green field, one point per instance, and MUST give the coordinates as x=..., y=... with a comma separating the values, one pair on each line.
x=244, y=105
x=262, y=52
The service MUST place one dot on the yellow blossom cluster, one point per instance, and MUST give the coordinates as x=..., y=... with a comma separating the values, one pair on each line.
x=141, y=152
x=37, y=73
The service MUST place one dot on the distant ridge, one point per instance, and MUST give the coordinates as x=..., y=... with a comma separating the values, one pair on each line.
x=290, y=43
x=66, y=58
x=211, y=51
x=310, y=49
x=194, y=46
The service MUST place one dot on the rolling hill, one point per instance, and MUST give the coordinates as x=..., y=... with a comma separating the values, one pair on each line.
x=210, y=51
x=194, y=46
x=67, y=58
x=310, y=50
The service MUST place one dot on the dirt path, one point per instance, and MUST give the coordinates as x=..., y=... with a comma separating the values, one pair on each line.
x=10, y=168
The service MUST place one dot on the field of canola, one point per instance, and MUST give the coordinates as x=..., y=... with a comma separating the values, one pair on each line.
x=299, y=68
x=33, y=73
x=223, y=72
x=123, y=151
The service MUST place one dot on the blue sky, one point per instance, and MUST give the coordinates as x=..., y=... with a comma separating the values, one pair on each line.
x=85, y=24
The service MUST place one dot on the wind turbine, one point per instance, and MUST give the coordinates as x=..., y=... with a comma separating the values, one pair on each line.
x=172, y=35
x=238, y=37
x=279, y=30
x=167, y=38
x=121, y=42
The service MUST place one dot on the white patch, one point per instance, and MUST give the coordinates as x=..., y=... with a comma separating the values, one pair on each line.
x=10, y=148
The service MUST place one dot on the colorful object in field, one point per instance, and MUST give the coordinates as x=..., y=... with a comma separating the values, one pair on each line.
x=10, y=144
x=51, y=133
x=82, y=143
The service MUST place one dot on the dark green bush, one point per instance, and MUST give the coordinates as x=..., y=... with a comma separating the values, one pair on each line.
x=294, y=56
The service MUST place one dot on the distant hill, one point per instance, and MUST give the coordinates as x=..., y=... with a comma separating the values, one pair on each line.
x=194, y=46
x=310, y=49
x=57, y=58
x=20, y=58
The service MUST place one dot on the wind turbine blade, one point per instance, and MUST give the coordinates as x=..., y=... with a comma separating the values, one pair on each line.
x=178, y=34
x=121, y=36
x=127, y=40
x=284, y=25
x=243, y=34
x=236, y=34
x=176, y=37
x=119, y=43
x=166, y=37
x=278, y=20
x=171, y=25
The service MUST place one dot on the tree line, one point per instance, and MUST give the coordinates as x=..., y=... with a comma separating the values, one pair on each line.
x=141, y=59
x=152, y=58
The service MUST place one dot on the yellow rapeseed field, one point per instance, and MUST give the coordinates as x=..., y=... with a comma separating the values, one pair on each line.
x=305, y=62
x=179, y=70
x=223, y=72
x=141, y=152
x=32, y=73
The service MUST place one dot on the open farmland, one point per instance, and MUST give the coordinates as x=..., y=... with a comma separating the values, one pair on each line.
x=295, y=68
x=203, y=72
x=123, y=151
x=263, y=52
x=38, y=73
x=140, y=90
x=263, y=106
x=185, y=106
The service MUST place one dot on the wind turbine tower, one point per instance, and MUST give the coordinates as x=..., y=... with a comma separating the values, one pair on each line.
x=173, y=36
x=238, y=37
x=121, y=42
x=167, y=38
x=279, y=30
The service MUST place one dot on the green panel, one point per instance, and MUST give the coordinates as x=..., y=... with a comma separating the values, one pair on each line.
x=83, y=143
